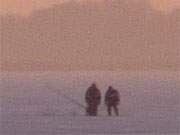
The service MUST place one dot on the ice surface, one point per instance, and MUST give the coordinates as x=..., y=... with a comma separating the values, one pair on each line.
x=33, y=104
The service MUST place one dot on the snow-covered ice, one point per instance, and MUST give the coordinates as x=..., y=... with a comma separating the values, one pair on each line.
x=32, y=104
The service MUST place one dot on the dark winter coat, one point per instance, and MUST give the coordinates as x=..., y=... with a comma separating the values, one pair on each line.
x=112, y=97
x=93, y=96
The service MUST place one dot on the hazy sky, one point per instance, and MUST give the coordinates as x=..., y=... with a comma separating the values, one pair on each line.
x=96, y=35
x=25, y=7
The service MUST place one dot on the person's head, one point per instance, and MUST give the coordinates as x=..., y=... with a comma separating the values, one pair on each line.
x=110, y=88
x=93, y=84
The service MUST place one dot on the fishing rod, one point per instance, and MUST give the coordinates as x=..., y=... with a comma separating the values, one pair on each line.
x=58, y=91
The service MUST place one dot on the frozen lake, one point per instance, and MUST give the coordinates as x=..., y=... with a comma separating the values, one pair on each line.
x=34, y=104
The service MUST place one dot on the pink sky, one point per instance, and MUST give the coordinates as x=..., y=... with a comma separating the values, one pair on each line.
x=118, y=35
x=24, y=7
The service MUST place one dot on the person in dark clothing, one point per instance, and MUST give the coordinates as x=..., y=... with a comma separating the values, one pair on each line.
x=93, y=98
x=112, y=100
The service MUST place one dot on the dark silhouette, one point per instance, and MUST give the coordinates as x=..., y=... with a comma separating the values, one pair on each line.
x=93, y=99
x=112, y=100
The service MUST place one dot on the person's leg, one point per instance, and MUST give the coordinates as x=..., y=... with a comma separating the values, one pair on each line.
x=116, y=110
x=94, y=110
x=88, y=110
x=109, y=110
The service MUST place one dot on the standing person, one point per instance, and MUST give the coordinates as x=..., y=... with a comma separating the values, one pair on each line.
x=93, y=98
x=112, y=100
